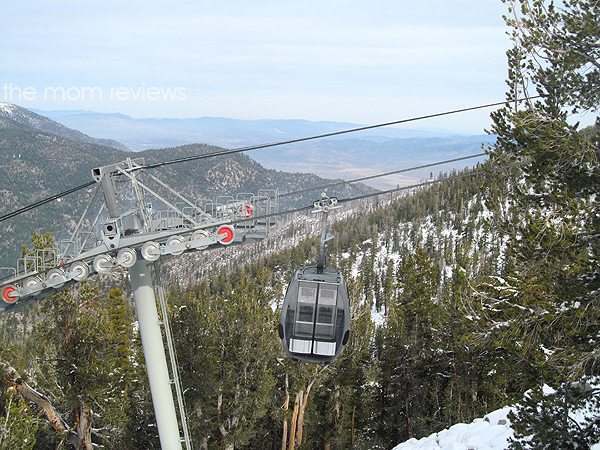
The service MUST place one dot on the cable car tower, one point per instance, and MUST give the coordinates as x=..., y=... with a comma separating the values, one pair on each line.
x=137, y=232
x=315, y=316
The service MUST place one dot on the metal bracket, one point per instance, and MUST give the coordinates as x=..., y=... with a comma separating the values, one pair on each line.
x=324, y=205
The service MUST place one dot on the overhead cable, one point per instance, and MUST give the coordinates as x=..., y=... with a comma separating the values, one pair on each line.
x=44, y=201
x=256, y=147
x=357, y=180
x=374, y=194
x=318, y=136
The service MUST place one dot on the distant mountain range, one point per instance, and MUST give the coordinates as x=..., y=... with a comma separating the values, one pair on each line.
x=141, y=134
x=345, y=156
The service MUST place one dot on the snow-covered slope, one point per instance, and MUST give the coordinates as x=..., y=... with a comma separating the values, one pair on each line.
x=490, y=433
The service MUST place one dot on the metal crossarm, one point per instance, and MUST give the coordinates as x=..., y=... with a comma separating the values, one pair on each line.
x=155, y=227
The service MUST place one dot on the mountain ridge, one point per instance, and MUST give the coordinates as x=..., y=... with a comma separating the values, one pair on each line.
x=35, y=164
x=142, y=133
x=42, y=123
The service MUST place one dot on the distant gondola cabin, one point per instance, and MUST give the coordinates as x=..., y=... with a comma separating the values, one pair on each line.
x=315, y=316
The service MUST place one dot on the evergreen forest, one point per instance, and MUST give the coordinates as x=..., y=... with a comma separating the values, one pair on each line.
x=467, y=294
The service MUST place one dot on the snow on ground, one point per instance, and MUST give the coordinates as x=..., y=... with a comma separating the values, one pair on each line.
x=490, y=433
x=7, y=108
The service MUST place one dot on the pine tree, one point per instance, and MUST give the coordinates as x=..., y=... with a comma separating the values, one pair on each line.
x=81, y=358
x=549, y=292
x=229, y=348
x=18, y=425
x=553, y=419
x=133, y=411
x=410, y=352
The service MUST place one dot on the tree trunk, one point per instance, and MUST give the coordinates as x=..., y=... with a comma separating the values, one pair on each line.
x=338, y=407
x=286, y=407
x=300, y=425
x=353, y=413
x=31, y=395
x=303, y=402
x=408, y=421
x=294, y=422
x=83, y=426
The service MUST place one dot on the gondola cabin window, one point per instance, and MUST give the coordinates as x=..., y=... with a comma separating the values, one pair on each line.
x=307, y=299
x=325, y=323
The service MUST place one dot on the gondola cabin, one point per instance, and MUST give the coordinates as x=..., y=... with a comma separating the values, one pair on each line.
x=315, y=316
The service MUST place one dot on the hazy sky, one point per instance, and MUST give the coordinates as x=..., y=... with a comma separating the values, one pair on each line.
x=354, y=61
